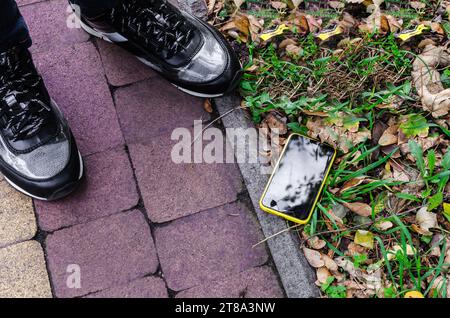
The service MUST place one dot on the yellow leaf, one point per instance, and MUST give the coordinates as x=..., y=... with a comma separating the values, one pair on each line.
x=364, y=238
x=414, y=294
x=447, y=209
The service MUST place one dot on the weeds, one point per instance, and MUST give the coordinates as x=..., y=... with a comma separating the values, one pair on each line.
x=389, y=184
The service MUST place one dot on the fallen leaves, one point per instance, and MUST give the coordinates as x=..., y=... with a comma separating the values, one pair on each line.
x=359, y=208
x=426, y=221
x=388, y=138
x=352, y=183
x=276, y=123
x=356, y=92
x=364, y=238
x=316, y=243
x=244, y=27
x=410, y=251
x=414, y=294
x=313, y=257
x=207, y=106
x=426, y=78
x=336, y=134
x=384, y=225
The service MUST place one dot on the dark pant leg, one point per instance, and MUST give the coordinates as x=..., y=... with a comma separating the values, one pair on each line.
x=92, y=8
x=13, y=30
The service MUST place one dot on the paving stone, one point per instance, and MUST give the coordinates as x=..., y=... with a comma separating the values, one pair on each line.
x=17, y=220
x=155, y=107
x=171, y=190
x=147, y=287
x=49, y=23
x=260, y=282
x=209, y=245
x=110, y=251
x=22, y=272
x=75, y=79
x=109, y=187
x=122, y=68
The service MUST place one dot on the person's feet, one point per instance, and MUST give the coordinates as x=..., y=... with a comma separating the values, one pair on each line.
x=38, y=154
x=187, y=51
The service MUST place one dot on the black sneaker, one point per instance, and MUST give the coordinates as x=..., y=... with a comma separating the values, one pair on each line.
x=188, y=52
x=38, y=154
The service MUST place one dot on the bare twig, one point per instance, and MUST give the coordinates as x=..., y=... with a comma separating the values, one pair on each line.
x=216, y=120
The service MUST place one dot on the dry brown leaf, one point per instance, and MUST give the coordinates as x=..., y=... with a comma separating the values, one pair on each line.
x=437, y=287
x=384, y=225
x=313, y=257
x=287, y=42
x=352, y=183
x=435, y=249
x=211, y=5
x=359, y=208
x=426, y=220
x=207, y=106
x=316, y=243
x=322, y=275
x=329, y=263
x=318, y=114
x=447, y=259
x=387, y=139
x=347, y=265
x=242, y=24
x=337, y=5
x=278, y=5
x=302, y=23
x=276, y=122
x=426, y=79
x=355, y=249
x=384, y=25
x=394, y=24
x=426, y=42
x=337, y=136
x=410, y=251
x=293, y=50
x=417, y=5
x=348, y=22
x=314, y=23
x=255, y=28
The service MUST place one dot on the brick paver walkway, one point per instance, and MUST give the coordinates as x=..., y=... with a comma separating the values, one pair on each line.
x=140, y=226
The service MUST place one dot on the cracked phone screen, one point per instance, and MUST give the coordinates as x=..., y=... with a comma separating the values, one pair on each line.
x=297, y=181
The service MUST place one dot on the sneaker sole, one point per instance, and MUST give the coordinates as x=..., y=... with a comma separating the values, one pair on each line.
x=100, y=35
x=61, y=193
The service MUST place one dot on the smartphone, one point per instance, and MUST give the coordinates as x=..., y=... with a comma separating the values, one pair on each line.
x=298, y=179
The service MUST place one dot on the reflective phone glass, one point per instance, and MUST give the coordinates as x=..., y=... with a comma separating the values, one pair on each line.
x=296, y=182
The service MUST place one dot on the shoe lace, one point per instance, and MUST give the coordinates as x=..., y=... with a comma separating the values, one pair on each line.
x=154, y=21
x=22, y=111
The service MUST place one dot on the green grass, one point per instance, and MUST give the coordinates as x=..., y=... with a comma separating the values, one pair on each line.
x=347, y=86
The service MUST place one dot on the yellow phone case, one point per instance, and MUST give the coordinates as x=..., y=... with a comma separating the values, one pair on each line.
x=281, y=214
